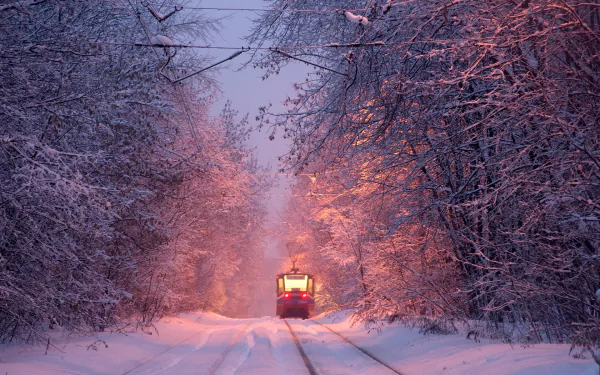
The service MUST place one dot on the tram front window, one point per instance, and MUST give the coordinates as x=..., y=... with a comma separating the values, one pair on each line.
x=295, y=283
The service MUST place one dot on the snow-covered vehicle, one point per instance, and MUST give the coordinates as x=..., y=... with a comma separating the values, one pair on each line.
x=295, y=294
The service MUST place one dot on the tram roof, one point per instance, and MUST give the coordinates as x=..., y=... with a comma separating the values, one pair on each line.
x=294, y=273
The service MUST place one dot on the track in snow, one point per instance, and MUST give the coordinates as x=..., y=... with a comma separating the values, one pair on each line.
x=228, y=347
x=265, y=346
x=326, y=352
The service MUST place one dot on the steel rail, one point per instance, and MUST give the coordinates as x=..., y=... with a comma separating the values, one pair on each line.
x=307, y=362
x=364, y=351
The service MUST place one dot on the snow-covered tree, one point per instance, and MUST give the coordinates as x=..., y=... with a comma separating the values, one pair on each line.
x=479, y=122
x=98, y=146
x=215, y=218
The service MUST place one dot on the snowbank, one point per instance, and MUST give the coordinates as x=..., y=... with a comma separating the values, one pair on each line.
x=104, y=353
x=417, y=354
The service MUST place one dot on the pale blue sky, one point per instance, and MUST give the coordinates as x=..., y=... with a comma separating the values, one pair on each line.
x=247, y=91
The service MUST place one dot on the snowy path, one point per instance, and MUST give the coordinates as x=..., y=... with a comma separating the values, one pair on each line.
x=209, y=344
x=260, y=346
x=251, y=346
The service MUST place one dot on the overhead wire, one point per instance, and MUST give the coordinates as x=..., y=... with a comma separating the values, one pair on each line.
x=275, y=48
x=279, y=49
x=308, y=62
x=272, y=48
x=386, y=8
x=208, y=67
x=326, y=11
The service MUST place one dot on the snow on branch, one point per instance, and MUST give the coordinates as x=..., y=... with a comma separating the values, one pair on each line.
x=360, y=20
x=161, y=41
x=159, y=16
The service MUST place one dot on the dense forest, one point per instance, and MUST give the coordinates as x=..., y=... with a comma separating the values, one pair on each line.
x=120, y=199
x=446, y=153
x=447, y=156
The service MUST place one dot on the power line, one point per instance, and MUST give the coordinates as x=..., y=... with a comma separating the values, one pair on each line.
x=308, y=62
x=269, y=10
x=326, y=11
x=275, y=49
x=208, y=67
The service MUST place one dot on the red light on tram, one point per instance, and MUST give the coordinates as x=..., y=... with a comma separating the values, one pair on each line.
x=304, y=295
x=286, y=295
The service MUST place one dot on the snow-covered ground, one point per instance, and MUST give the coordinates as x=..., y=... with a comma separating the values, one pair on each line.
x=415, y=354
x=206, y=343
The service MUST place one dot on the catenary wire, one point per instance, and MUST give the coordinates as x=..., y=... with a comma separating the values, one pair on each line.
x=326, y=11
x=332, y=45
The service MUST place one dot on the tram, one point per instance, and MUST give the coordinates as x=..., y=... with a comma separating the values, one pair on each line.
x=295, y=294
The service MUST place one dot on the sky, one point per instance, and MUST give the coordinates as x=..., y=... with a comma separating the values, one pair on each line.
x=247, y=91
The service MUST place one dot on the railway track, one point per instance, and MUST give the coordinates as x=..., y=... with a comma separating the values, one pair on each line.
x=361, y=361
x=307, y=362
x=246, y=346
